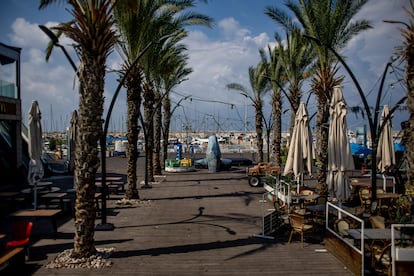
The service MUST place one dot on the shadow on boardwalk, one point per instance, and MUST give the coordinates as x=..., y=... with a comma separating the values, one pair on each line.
x=191, y=224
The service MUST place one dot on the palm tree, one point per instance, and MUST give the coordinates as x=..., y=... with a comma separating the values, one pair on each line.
x=142, y=22
x=407, y=53
x=165, y=69
x=331, y=22
x=176, y=62
x=92, y=31
x=171, y=20
x=274, y=76
x=133, y=27
x=259, y=87
x=296, y=61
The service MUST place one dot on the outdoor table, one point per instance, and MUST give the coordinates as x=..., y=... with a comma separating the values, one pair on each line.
x=39, y=213
x=110, y=178
x=316, y=208
x=366, y=182
x=7, y=195
x=49, y=196
x=360, y=182
x=388, y=196
x=375, y=234
x=371, y=234
x=301, y=198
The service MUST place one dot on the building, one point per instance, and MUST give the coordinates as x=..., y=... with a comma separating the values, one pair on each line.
x=12, y=165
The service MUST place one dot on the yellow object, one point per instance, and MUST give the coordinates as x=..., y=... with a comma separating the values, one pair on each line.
x=186, y=162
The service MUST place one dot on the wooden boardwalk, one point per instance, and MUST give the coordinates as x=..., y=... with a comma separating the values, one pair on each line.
x=192, y=224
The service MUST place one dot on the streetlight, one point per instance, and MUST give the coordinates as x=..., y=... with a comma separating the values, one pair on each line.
x=375, y=133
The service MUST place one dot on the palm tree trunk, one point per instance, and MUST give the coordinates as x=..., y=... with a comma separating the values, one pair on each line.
x=149, y=128
x=410, y=105
x=277, y=127
x=166, y=132
x=295, y=97
x=157, y=134
x=259, y=130
x=134, y=104
x=322, y=136
x=87, y=161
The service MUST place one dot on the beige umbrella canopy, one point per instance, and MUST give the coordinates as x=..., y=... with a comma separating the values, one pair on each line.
x=339, y=151
x=299, y=159
x=385, y=148
x=35, y=148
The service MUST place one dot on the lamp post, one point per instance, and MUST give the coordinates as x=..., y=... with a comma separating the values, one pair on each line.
x=372, y=122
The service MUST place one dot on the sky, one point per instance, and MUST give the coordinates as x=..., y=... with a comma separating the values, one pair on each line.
x=218, y=56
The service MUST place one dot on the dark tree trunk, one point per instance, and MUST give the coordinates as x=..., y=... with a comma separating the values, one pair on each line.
x=166, y=132
x=277, y=127
x=157, y=134
x=133, y=104
x=149, y=132
x=87, y=160
x=259, y=130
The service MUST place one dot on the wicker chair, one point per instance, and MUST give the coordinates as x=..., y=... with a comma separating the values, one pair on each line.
x=299, y=226
x=308, y=192
x=365, y=198
x=381, y=259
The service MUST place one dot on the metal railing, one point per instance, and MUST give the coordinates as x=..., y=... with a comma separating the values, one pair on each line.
x=330, y=207
x=399, y=253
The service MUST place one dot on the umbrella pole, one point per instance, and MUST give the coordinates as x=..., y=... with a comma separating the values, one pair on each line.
x=35, y=197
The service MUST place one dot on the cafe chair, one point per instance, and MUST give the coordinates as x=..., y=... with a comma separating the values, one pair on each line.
x=377, y=222
x=381, y=259
x=365, y=198
x=20, y=235
x=299, y=226
x=341, y=226
x=308, y=192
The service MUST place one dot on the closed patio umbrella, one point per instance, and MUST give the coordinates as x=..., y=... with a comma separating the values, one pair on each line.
x=299, y=159
x=339, y=151
x=35, y=149
x=385, y=148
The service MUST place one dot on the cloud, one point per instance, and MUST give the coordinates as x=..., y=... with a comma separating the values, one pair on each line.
x=216, y=63
x=230, y=29
x=50, y=83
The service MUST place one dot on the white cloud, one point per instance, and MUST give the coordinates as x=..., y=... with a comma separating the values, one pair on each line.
x=230, y=28
x=215, y=64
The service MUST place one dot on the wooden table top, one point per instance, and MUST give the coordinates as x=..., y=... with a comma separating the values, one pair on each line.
x=374, y=234
x=54, y=195
x=36, y=213
x=110, y=178
x=9, y=194
x=387, y=195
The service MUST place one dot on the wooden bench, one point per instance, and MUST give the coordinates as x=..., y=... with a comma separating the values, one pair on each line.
x=119, y=184
x=110, y=188
x=39, y=213
x=11, y=255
